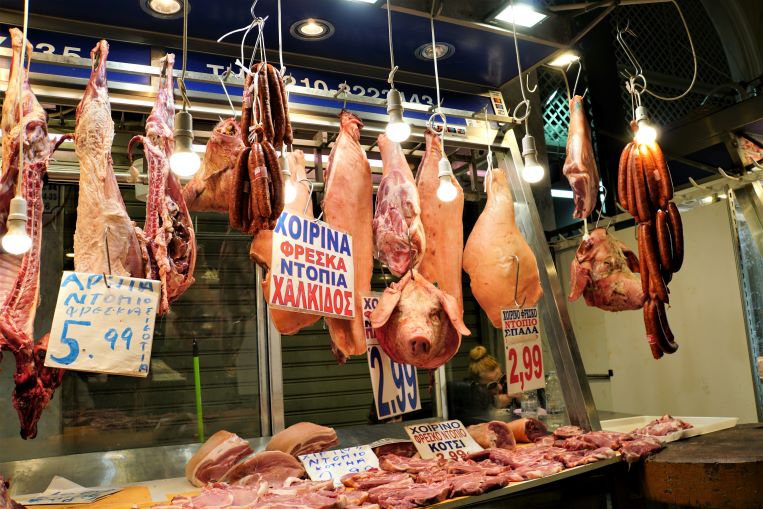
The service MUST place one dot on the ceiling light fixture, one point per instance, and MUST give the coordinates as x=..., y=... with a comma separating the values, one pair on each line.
x=523, y=15
x=397, y=129
x=442, y=51
x=312, y=29
x=364, y=1
x=164, y=9
x=564, y=59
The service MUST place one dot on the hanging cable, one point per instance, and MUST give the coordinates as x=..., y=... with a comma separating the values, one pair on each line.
x=524, y=101
x=280, y=41
x=181, y=81
x=694, y=59
x=392, y=66
x=19, y=177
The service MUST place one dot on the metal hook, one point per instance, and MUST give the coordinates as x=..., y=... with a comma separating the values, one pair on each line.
x=108, y=257
x=223, y=78
x=516, y=285
x=343, y=90
x=527, y=84
x=310, y=194
x=601, y=209
x=638, y=70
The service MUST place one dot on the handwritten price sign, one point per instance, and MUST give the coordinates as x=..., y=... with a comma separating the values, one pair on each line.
x=524, y=357
x=326, y=465
x=103, y=325
x=402, y=394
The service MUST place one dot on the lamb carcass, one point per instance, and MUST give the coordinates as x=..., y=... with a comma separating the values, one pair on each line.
x=348, y=206
x=20, y=275
x=210, y=189
x=168, y=233
x=398, y=231
x=287, y=322
x=442, y=222
x=492, y=251
x=101, y=212
x=603, y=272
x=580, y=165
x=417, y=323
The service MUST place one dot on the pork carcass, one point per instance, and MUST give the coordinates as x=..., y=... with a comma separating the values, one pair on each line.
x=603, y=272
x=287, y=322
x=442, y=222
x=398, y=231
x=494, y=249
x=493, y=434
x=580, y=165
x=221, y=452
x=417, y=323
x=348, y=207
x=20, y=275
x=168, y=233
x=210, y=189
x=303, y=438
x=101, y=214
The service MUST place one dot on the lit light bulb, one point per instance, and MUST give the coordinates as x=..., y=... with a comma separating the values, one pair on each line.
x=290, y=192
x=646, y=133
x=16, y=241
x=533, y=172
x=397, y=129
x=289, y=189
x=184, y=162
x=446, y=191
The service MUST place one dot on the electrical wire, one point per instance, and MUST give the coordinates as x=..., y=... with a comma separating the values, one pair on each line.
x=280, y=41
x=392, y=66
x=19, y=177
x=438, y=109
x=524, y=101
x=181, y=81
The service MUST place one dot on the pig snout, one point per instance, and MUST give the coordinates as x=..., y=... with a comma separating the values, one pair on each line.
x=419, y=345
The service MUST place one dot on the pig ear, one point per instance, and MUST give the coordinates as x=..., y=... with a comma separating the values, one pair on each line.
x=580, y=277
x=630, y=258
x=453, y=310
x=385, y=306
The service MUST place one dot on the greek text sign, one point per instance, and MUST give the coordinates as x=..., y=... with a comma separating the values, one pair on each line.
x=524, y=356
x=311, y=268
x=103, y=325
x=326, y=465
x=449, y=440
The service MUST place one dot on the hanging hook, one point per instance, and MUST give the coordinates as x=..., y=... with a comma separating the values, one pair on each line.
x=309, y=184
x=516, y=285
x=343, y=90
x=108, y=257
x=223, y=78
x=601, y=209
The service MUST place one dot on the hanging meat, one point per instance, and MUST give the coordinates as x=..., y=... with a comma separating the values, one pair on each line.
x=287, y=322
x=603, y=272
x=645, y=190
x=398, y=231
x=210, y=188
x=20, y=275
x=500, y=263
x=348, y=206
x=417, y=323
x=442, y=222
x=580, y=165
x=168, y=233
x=101, y=214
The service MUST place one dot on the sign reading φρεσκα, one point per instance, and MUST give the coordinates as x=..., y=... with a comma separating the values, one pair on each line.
x=103, y=324
x=326, y=465
x=448, y=439
x=395, y=385
x=311, y=268
x=524, y=355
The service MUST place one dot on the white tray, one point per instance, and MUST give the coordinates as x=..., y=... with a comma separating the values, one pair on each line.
x=702, y=425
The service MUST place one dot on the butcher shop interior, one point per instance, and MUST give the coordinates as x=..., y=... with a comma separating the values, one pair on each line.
x=381, y=254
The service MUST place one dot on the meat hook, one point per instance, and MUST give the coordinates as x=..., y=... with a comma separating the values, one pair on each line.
x=516, y=285
x=343, y=90
x=108, y=257
x=223, y=78
x=309, y=184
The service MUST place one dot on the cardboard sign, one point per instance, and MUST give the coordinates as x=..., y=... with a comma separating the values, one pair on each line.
x=326, y=465
x=524, y=355
x=311, y=268
x=395, y=386
x=444, y=440
x=103, y=325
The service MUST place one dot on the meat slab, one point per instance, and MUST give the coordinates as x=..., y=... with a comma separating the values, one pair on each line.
x=6, y=502
x=20, y=275
x=580, y=165
x=303, y=438
x=603, y=272
x=168, y=233
x=417, y=323
x=492, y=252
x=221, y=452
x=665, y=425
x=398, y=231
x=442, y=222
x=101, y=213
x=527, y=429
x=493, y=434
x=348, y=206
x=273, y=467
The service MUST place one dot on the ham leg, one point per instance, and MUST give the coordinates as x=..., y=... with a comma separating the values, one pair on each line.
x=580, y=165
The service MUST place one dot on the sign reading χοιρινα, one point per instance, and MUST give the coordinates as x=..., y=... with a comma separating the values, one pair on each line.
x=444, y=440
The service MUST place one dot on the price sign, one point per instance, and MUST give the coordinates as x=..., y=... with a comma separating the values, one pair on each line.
x=444, y=440
x=326, y=465
x=524, y=357
x=103, y=325
x=395, y=386
x=311, y=269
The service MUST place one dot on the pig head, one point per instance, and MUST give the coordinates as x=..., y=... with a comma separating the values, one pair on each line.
x=417, y=323
x=603, y=272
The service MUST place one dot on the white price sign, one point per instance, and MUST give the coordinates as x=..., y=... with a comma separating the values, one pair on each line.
x=311, y=269
x=444, y=440
x=326, y=465
x=524, y=356
x=395, y=386
x=103, y=325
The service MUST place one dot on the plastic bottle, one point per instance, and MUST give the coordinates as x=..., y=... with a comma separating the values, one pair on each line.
x=530, y=404
x=554, y=397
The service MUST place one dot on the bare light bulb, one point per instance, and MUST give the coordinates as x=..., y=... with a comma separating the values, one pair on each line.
x=17, y=241
x=646, y=134
x=289, y=189
x=184, y=162
x=446, y=191
x=533, y=172
x=397, y=129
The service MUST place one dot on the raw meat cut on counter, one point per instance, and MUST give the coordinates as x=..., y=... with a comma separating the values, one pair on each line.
x=399, y=235
x=273, y=467
x=6, y=502
x=101, y=213
x=580, y=166
x=221, y=452
x=442, y=222
x=493, y=434
x=492, y=251
x=563, y=432
x=303, y=438
x=603, y=272
x=168, y=232
x=287, y=322
x=417, y=323
x=373, y=478
x=348, y=206
x=406, y=449
x=665, y=425
x=20, y=275
x=527, y=429
x=211, y=187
